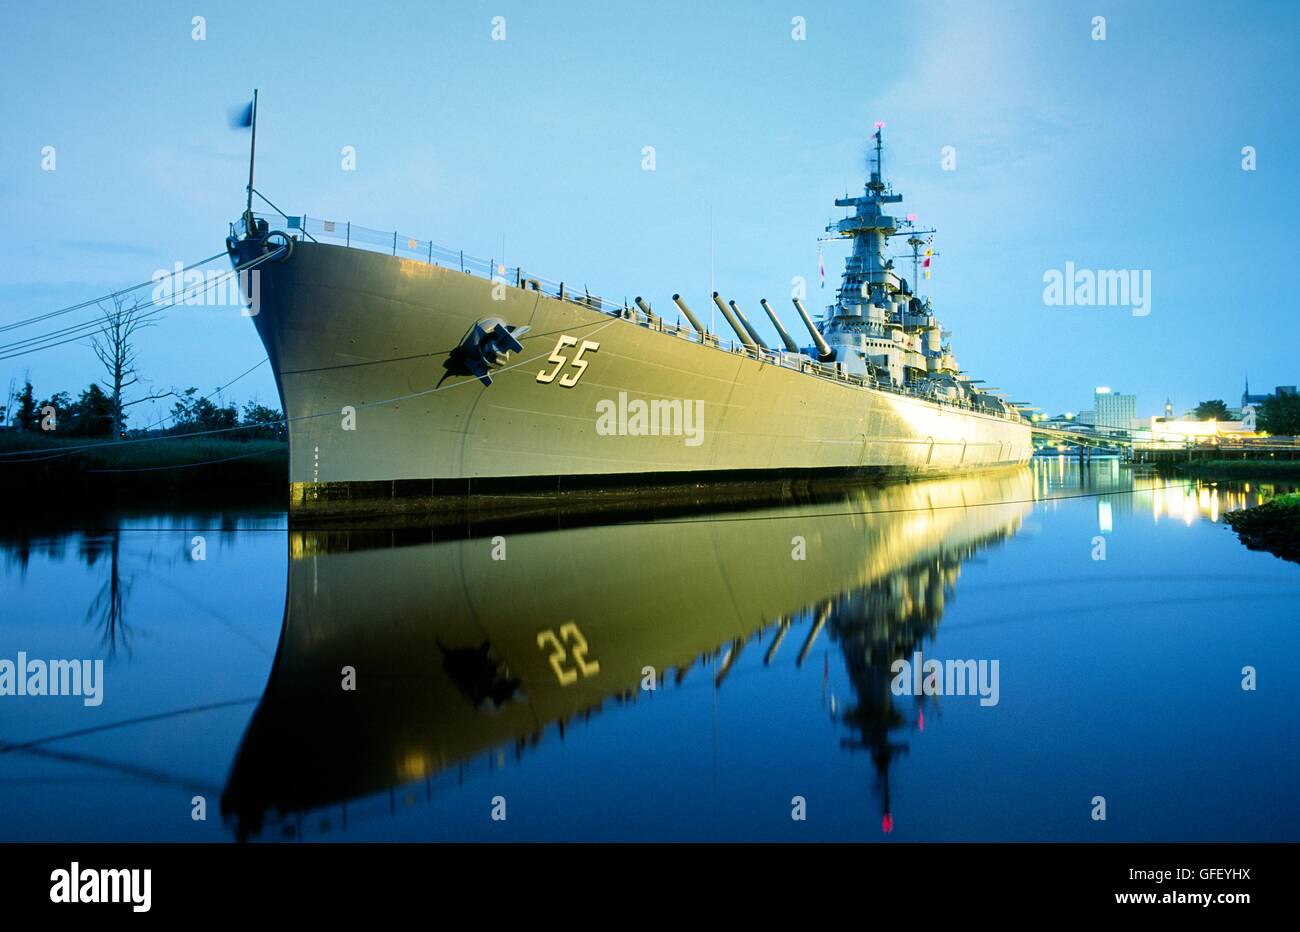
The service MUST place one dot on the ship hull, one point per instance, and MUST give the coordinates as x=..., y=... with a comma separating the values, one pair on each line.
x=360, y=342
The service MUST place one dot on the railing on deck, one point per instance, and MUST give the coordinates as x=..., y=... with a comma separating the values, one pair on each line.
x=399, y=244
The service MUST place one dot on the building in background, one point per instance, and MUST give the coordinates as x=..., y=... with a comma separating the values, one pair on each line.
x=1188, y=430
x=1114, y=410
x=1247, y=399
x=1067, y=420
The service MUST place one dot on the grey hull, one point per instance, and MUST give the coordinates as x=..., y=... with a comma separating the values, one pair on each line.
x=359, y=343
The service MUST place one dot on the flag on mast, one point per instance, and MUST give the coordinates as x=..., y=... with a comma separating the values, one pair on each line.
x=821, y=266
x=242, y=117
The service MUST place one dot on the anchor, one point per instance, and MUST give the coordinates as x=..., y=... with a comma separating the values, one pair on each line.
x=487, y=346
x=479, y=676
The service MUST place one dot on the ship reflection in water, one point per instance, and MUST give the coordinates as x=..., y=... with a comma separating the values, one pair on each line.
x=418, y=683
x=462, y=647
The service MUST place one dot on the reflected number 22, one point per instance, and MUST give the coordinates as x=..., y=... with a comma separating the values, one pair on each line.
x=569, y=634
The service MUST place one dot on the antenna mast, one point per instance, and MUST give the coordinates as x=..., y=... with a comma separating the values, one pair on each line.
x=880, y=150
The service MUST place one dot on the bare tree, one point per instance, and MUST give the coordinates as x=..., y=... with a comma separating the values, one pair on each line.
x=114, y=345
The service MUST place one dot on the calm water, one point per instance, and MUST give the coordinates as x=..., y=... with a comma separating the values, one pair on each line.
x=478, y=678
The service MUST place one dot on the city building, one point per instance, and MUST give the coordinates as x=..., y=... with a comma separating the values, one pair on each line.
x=1248, y=399
x=1114, y=410
x=1188, y=430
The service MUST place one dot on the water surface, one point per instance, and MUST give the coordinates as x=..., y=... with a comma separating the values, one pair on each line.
x=506, y=666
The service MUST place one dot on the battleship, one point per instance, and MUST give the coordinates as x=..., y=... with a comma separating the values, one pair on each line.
x=463, y=658
x=420, y=375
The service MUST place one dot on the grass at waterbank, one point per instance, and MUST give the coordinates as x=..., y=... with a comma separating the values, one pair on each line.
x=1262, y=468
x=35, y=467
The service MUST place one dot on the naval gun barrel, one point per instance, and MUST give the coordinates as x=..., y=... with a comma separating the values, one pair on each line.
x=649, y=314
x=824, y=351
x=731, y=319
x=677, y=299
x=744, y=322
x=823, y=614
x=776, y=322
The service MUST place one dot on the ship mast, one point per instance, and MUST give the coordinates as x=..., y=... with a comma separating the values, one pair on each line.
x=252, y=157
x=878, y=326
x=867, y=272
x=914, y=240
x=878, y=175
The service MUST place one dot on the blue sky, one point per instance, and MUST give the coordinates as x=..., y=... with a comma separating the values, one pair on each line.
x=1115, y=154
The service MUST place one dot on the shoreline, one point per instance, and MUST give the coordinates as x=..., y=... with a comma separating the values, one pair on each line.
x=165, y=469
x=1273, y=527
x=1232, y=469
x=171, y=471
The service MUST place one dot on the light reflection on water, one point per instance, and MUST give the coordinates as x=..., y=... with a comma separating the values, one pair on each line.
x=521, y=677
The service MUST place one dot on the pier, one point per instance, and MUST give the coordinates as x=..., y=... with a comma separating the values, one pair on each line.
x=1084, y=442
